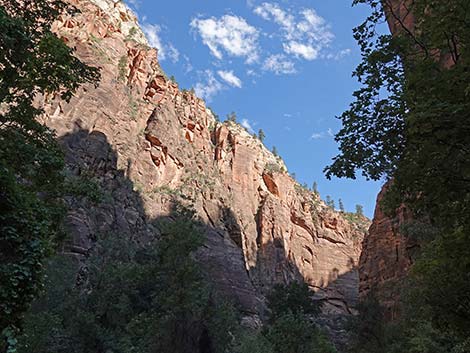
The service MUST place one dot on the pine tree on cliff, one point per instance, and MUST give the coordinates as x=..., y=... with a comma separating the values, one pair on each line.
x=34, y=61
x=232, y=117
x=341, y=205
x=359, y=211
x=330, y=202
x=274, y=151
x=261, y=135
x=315, y=188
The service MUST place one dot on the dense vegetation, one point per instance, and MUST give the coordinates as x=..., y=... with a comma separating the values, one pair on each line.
x=410, y=123
x=154, y=297
x=33, y=62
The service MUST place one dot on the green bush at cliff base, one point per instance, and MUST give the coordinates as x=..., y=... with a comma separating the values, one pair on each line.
x=131, y=298
x=434, y=307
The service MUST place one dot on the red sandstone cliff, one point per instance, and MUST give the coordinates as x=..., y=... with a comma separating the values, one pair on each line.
x=149, y=143
x=387, y=254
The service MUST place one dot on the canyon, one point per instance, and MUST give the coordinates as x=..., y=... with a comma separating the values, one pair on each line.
x=155, y=149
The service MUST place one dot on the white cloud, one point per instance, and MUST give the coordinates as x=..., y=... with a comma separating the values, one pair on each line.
x=272, y=12
x=187, y=66
x=152, y=33
x=230, y=78
x=246, y=124
x=173, y=53
x=279, y=64
x=338, y=55
x=301, y=50
x=304, y=33
x=168, y=51
x=209, y=88
x=320, y=135
x=317, y=135
x=135, y=3
x=228, y=33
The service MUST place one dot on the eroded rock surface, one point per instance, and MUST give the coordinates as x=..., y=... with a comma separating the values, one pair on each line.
x=386, y=257
x=149, y=143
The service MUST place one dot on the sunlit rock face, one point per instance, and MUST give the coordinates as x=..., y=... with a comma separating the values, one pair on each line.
x=150, y=143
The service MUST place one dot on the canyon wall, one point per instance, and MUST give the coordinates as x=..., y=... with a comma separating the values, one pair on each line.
x=153, y=147
x=387, y=254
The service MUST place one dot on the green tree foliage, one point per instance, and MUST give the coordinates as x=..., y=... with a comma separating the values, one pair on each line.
x=289, y=328
x=274, y=151
x=410, y=121
x=261, y=135
x=368, y=328
x=315, y=188
x=131, y=298
x=295, y=333
x=414, y=127
x=341, y=205
x=295, y=298
x=359, y=210
x=232, y=117
x=330, y=202
x=34, y=62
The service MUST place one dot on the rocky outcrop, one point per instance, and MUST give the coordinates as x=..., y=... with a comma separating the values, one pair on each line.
x=149, y=144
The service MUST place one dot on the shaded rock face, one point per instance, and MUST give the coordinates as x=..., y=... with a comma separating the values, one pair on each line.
x=386, y=257
x=149, y=143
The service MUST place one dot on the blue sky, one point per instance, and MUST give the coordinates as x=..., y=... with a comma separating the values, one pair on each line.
x=284, y=66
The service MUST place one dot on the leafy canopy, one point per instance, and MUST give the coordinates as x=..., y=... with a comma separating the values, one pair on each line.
x=34, y=62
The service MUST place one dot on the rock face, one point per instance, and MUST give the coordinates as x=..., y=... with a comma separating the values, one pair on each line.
x=149, y=144
x=386, y=257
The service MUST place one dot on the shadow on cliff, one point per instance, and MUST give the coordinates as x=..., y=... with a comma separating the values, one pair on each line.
x=89, y=157
x=122, y=211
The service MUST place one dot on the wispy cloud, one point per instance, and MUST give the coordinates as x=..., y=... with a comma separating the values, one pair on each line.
x=279, y=64
x=247, y=125
x=165, y=51
x=187, y=66
x=209, y=87
x=338, y=55
x=317, y=135
x=304, y=32
x=230, y=78
x=229, y=34
x=323, y=134
x=134, y=3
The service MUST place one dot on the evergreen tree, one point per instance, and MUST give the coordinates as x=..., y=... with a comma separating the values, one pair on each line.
x=261, y=135
x=330, y=202
x=341, y=205
x=315, y=188
x=274, y=151
x=232, y=117
x=359, y=211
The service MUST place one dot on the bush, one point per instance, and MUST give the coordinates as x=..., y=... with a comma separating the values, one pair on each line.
x=131, y=298
x=295, y=298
